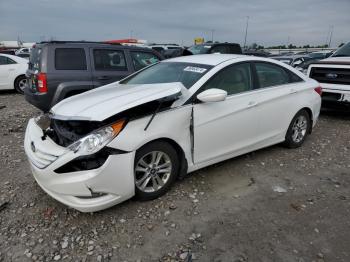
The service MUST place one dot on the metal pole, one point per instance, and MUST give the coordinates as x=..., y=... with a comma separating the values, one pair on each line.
x=212, y=35
x=330, y=37
x=246, y=32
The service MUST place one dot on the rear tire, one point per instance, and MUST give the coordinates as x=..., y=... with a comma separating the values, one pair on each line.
x=298, y=129
x=156, y=168
x=20, y=84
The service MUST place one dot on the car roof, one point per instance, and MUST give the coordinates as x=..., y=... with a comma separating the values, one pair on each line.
x=206, y=59
x=70, y=44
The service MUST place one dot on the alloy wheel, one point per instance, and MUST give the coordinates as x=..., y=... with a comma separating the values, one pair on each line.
x=299, y=129
x=152, y=171
x=22, y=84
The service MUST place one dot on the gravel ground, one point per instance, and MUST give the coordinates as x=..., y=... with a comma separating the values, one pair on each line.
x=275, y=204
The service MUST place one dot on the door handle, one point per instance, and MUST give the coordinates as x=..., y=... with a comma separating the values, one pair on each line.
x=252, y=103
x=293, y=91
x=11, y=69
x=103, y=77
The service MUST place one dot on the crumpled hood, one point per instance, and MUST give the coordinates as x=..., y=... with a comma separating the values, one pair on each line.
x=101, y=103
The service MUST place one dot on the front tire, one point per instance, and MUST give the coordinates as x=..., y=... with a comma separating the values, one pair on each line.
x=156, y=168
x=20, y=84
x=298, y=129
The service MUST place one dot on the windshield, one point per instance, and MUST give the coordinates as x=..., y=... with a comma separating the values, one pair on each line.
x=199, y=49
x=343, y=51
x=169, y=72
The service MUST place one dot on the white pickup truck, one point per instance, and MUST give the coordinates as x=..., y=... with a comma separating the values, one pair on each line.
x=334, y=75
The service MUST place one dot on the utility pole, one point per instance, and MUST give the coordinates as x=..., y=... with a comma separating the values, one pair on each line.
x=330, y=36
x=212, y=35
x=246, y=32
x=131, y=34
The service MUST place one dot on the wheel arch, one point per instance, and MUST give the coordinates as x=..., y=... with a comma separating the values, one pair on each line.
x=309, y=111
x=16, y=78
x=183, y=165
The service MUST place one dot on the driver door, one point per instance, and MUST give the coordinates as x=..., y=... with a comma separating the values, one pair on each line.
x=229, y=127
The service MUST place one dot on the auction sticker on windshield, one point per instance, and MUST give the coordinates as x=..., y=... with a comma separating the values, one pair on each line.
x=195, y=69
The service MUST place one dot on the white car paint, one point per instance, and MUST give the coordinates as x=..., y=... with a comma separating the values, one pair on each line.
x=239, y=124
x=9, y=72
x=104, y=102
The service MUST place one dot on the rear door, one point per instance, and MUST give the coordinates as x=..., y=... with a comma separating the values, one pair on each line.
x=278, y=99
x=109, y=65
x=7, y=68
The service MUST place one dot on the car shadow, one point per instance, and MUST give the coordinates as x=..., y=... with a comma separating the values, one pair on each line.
x=7, y=92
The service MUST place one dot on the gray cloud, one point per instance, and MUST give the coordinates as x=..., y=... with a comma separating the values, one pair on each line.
x=271, y=22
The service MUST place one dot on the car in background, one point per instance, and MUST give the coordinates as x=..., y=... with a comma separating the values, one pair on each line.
x=334, y=75
x=343, y=51
x=60, y=69
x=305, y=65
x=23, y=50
x=214, y=48
x=163, y=47
x=292, y=60
x=8, y=51
x=24, y=55
x=12, y=72
x=137, y=136
x=259, y=53
x=320, y=54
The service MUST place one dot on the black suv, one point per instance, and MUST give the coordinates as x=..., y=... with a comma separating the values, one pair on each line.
x=211, y=48
x=60, y=69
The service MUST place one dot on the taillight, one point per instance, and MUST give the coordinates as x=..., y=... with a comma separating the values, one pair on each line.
x=318, y=90
x=42, y=83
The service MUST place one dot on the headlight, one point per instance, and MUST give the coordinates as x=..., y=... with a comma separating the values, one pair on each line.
x=98, y=139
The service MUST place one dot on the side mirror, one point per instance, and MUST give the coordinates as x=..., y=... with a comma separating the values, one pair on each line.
x=212, y=95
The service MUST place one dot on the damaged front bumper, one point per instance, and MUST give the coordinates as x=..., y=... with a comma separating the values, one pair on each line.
x=84, y=190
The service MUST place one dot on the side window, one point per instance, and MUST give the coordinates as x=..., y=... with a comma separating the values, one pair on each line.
x=109, y=60
x=10, y=61
x=271, y=75
x=233, y=79
x=3, y=60
x=70, y=59
x=6, y=61
x=143, y=59
x=222, y=49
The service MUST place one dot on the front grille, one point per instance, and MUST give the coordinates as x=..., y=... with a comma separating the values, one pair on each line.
x=39, y=157
x=331, y=75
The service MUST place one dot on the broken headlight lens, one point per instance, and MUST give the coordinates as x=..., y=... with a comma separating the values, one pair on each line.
x=98, y=139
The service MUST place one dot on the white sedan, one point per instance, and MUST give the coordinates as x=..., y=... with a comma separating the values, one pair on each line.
x=136, y=136
x=12, y=72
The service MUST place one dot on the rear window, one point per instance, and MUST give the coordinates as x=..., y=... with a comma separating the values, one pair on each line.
x=34, y=59
x=70, y=59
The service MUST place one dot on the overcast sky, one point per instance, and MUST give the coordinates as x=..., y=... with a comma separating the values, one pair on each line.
x=271, y=22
